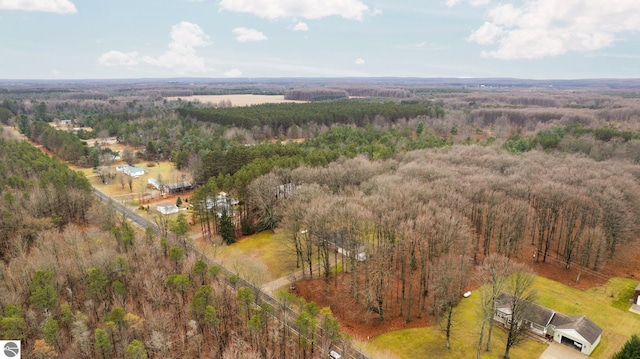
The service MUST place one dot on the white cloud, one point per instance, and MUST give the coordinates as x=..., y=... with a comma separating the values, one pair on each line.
x=55, y=6
x=180, y=56
x=233, y=73
x=359, y=61
x=540, y=28
x=301, y=26
x=305, y=9
x=472, y=2
x=117, y=58
x=243, y=34
x=486, y=34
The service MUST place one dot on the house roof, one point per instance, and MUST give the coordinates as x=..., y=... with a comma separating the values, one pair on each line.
x=539, y=315
x=536, y=314
x=178, y=185
x=585, y=327
x=560, y=319
x=544, y=316
x=638, y=288
x=128, y=168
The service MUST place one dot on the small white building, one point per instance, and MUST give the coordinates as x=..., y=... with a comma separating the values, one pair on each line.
x=153, y=182
x=130, y=170
x=168, y=208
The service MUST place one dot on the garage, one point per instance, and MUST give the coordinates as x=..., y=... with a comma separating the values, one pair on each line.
x=579, y=333
x=571, y=343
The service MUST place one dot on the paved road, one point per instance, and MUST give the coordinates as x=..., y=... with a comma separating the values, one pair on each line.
x=137, y=219
x=262, y=294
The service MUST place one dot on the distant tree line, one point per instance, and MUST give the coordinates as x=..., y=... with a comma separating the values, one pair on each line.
x=598, y=143
x=283, y=116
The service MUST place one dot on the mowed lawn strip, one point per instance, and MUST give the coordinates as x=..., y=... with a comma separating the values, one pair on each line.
x=598, y=304
x=264, y=249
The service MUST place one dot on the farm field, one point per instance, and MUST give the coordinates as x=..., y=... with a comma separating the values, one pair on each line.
x=236, y=100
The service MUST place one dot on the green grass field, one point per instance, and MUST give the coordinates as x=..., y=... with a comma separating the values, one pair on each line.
x=601, y=305
x=607, y=306
x=260, y=258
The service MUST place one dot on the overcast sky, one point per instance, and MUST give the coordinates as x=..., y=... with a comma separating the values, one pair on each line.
x=536, y=39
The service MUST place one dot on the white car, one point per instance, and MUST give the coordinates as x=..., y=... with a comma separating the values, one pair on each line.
x=334, y=355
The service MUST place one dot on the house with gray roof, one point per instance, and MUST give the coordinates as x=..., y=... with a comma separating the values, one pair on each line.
x=579, y=332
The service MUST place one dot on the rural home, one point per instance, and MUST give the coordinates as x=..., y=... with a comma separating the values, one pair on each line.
x=130, y=170
x=177, y=187
x=579, y=333
x=168, y=208
x=222, y=203
x=154, y=183
x=342, y=243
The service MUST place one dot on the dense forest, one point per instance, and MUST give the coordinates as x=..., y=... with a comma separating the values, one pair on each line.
x=77, y=281
x=38, y=193
x=408, y=189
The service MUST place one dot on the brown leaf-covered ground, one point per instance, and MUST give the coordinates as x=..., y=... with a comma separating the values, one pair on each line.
x=363, y=325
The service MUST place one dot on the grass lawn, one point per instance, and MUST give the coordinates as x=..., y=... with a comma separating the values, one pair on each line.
x=429, y=342
x=607, y=306
x=260, y=258
x=165, y=170
x=601, y=305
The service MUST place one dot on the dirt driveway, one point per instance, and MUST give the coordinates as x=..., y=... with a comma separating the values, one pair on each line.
x=561, y=351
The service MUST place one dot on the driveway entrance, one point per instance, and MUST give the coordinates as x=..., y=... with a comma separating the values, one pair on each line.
x=561, y=351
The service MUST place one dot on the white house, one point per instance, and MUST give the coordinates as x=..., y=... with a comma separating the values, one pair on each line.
x=168, y=208
x=222, y=203
x=153, y=182
x=579, y=333
x=130, y=170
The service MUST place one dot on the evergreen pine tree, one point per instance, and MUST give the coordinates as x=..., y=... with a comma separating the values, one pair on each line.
x=227, y=230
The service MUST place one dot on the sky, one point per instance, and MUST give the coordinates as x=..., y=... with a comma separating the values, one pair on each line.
x=116, y=39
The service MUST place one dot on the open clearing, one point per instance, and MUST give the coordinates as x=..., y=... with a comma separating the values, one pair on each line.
x=236, y=100
x=259, y=258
